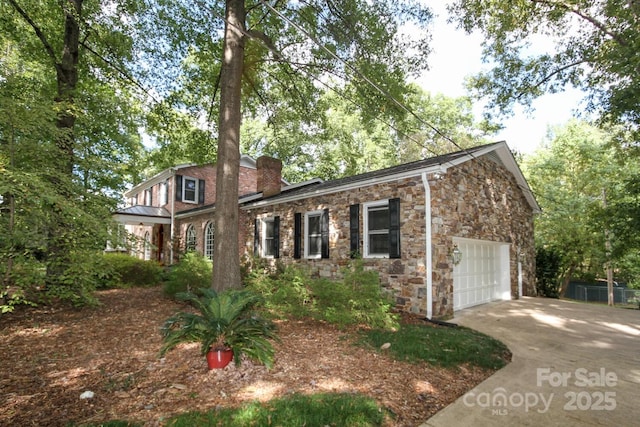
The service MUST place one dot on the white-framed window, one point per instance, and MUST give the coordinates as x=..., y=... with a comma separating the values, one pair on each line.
x=208, y=241
x=376, y=229
x=313, y=234
x=382, y=229
x=189, y=190
x=148, y=197
x=190, y=239
x=164, y=193
x=268, y=238
x=266, y=242
x=147, y=246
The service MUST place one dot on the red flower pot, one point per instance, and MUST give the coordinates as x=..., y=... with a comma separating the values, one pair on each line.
x=218, y=359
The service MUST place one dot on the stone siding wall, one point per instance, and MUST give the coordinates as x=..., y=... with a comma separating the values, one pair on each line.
x=404, y=276
x=479, y=199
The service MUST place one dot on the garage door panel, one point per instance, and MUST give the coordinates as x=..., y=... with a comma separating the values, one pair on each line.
x=478, y=278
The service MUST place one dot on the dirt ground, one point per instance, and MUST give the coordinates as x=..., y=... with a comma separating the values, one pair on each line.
x=50, y=356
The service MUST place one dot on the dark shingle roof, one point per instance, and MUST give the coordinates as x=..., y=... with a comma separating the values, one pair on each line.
x=445, y=160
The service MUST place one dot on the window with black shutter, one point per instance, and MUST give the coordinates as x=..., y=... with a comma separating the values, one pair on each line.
x=382, y=229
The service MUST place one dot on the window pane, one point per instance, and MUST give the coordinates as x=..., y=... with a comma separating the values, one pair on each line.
x=314, y=235
x=379, y=244
x=209, y=242
x=190, y=189
x=191, y=239
x=269, y=229
x=314, y=225
x=379, y=218
x=269, y=242
x=163, y=194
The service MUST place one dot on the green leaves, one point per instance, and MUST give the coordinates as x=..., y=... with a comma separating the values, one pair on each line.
x=222, y=320
x=590, y=45
x=573, y=178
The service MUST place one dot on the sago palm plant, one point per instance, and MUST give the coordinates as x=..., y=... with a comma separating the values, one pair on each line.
x=223, y=320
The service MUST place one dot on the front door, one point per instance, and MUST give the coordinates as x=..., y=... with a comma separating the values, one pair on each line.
x=160, y=243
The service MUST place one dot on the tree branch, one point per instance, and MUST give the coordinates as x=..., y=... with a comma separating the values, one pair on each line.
x=573, y=9
x=259, y=35
x=48, y=48
x=549, y=76
x=118, y=69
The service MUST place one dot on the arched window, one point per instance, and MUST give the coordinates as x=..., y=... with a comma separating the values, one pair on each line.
x=190, y=240
x=208, y=241
x=147, y=246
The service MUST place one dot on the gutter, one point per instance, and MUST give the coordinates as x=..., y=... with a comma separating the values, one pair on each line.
x=345, y=187
x=428, y=257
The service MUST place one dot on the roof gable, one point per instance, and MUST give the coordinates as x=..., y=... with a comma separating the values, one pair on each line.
x=245, y=161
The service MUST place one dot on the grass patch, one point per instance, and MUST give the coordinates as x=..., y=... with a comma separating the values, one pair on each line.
x=442, y=346
x=324, y=409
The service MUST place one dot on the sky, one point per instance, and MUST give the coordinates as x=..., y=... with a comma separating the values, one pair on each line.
x=456, y=55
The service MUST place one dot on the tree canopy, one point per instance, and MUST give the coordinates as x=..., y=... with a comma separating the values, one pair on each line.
x=68, y=139
x=576, y=177
x=591, y=45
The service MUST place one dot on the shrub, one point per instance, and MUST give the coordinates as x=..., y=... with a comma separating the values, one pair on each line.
x=24, y=283
x=548, y=262
x=356, y=300
x=193, y=272
x=122, y=270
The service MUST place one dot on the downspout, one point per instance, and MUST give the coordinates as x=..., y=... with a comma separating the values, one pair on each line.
x=173, y=211
x=428, y=264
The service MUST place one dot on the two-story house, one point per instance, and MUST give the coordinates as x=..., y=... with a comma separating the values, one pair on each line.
x=444, y=233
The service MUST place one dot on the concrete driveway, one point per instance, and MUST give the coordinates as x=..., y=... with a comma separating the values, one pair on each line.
x=574, y=364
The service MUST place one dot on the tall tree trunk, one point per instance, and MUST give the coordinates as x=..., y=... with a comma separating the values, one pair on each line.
x=607, y=247
x=8, y=206
x=59, y=244
x=226, y=258
x=67, y=81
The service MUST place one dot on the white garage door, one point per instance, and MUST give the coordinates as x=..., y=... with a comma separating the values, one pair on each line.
x=482, y=275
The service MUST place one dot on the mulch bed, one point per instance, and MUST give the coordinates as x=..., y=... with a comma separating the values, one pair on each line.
x=51, y=355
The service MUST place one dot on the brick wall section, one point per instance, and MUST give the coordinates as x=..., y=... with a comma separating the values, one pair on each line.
x=479, y=199
x=200, y=222
x=246, y=185
x=269, y=179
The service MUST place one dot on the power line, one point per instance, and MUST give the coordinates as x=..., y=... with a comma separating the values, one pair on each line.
x=377, y=87
x=385, y=93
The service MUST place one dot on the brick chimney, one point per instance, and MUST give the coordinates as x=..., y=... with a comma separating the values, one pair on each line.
x=269, y=180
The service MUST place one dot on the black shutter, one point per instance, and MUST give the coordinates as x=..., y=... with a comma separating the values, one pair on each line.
x=354, y=230
x=256, y=237
x=297, y=235
x=179, y=188
x=394, y=228
x=201, y=191
x=276, y=237
x=324, y=230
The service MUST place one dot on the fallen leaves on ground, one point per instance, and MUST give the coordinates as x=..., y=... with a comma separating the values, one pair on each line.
x=52, y=355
